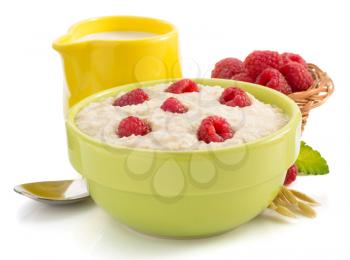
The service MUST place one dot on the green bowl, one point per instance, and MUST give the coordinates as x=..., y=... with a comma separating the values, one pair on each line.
x=186, y=193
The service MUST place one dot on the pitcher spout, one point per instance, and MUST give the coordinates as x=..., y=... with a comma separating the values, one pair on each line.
x=63, y=44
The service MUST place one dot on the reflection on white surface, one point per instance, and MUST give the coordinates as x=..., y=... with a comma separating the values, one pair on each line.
x=85, y=230
x=100, y=235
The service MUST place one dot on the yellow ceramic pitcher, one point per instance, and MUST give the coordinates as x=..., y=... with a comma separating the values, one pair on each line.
x=97, y=64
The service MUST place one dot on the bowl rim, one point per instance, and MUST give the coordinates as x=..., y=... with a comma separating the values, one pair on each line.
x=293, y=120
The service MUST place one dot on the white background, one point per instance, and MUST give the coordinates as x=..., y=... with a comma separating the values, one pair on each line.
x=33, y=144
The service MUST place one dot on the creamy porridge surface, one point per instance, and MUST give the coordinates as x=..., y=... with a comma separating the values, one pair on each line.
x=172, y=131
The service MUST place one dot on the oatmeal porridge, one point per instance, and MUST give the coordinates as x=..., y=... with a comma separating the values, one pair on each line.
x=180, y=116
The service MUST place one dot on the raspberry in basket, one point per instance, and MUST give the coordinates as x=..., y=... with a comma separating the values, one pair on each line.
x=243, y=76
x=214, y=129
x=183, y=86
x=297, y=76
x=257, y=61
x=227, y=68
x=133, y=126
x=134, y=97
x=291, y=175
x=288, y=57
x=234, y=97
x=272, y=78
x=173, y=105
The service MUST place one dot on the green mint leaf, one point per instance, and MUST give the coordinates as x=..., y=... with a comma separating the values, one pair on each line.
x=310, y=161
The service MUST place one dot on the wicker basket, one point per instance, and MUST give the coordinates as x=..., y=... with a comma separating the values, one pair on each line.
x=316, y=95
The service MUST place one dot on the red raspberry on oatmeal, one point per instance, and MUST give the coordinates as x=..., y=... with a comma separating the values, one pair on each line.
x=183, y=86
x=134, y=97
x=234, y=97
x=133, y=126
x=214, y=129
x=174, y=105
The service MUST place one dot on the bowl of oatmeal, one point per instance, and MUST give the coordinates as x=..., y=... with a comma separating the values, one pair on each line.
x=184, y=158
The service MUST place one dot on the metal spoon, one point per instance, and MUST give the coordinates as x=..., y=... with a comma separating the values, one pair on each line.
x=55, y=192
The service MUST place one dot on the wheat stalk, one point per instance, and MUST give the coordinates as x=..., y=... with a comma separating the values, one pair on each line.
x=304, y=197
x=290, y=202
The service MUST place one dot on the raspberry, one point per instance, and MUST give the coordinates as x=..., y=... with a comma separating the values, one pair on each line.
x=134, y=97
x=226, y=68
x=243, y=76
x=257, y=61
x=291, y=57
x=272, y=78
x=291, y=175
x=173, y=105
x=214, y=129
x=182, y=86
x=234, y=97
x=133, y=126
x=297, y=76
